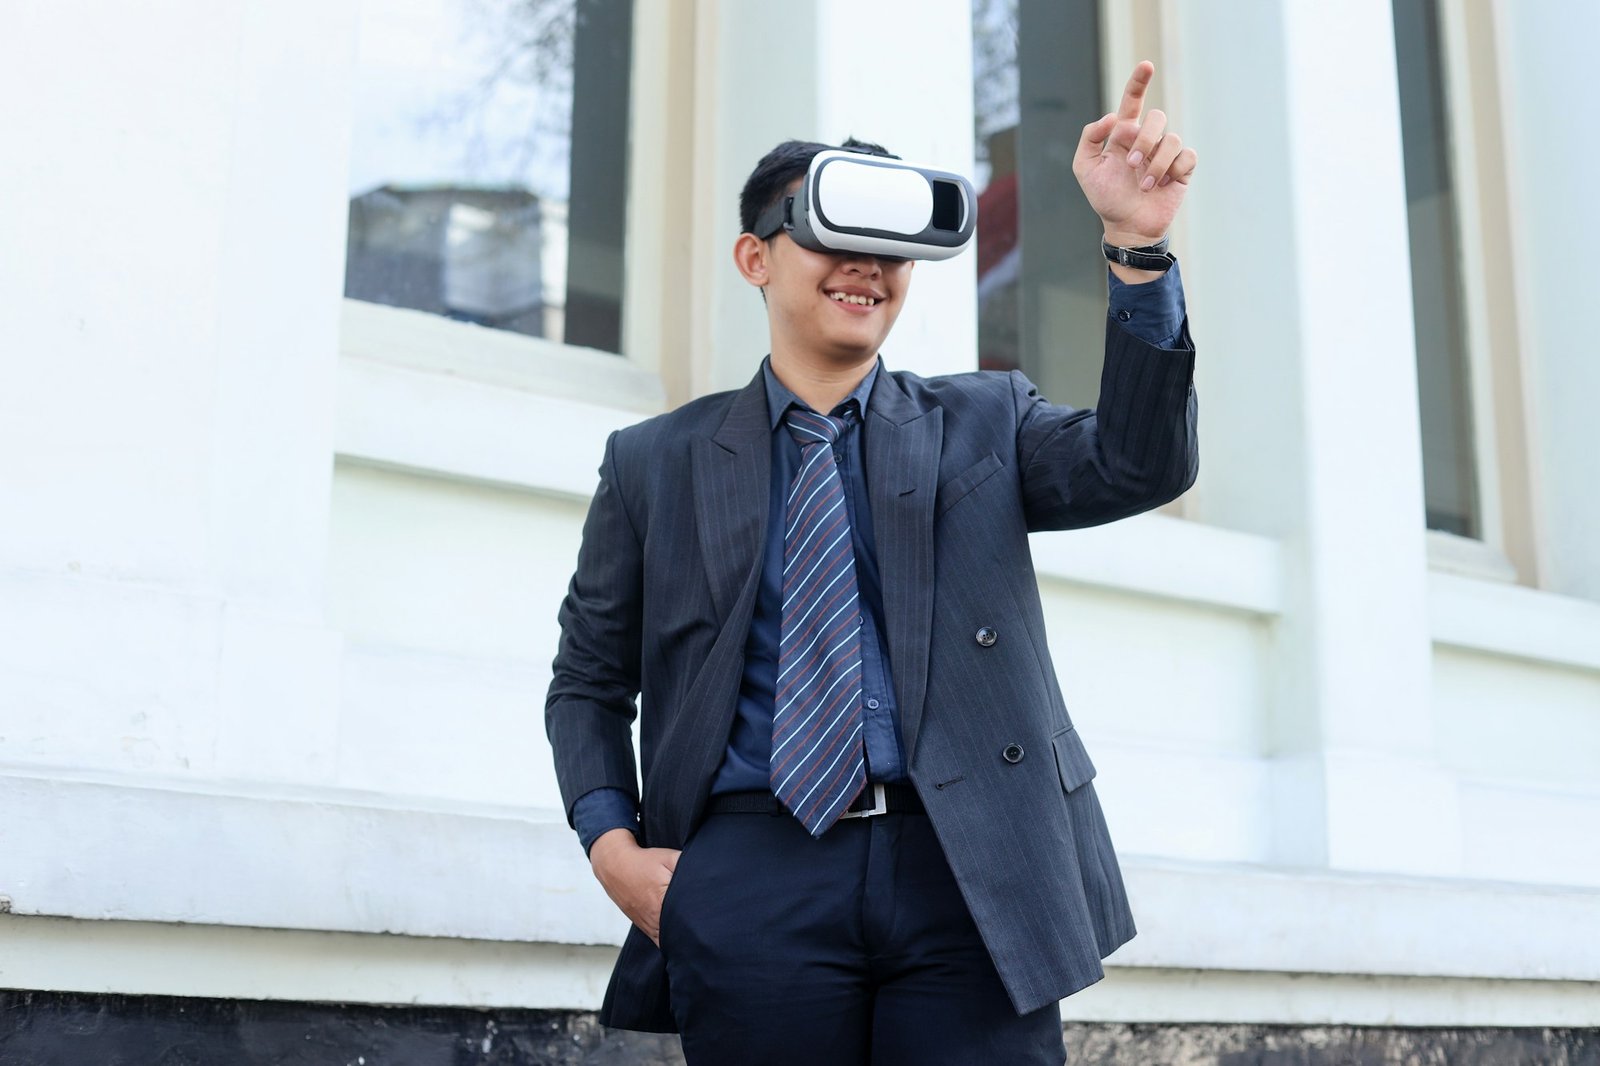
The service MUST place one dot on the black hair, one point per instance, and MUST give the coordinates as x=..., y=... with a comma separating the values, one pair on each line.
x=791, y=159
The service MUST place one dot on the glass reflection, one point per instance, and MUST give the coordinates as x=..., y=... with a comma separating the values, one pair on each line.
x=1041, y=280
x=470, y=196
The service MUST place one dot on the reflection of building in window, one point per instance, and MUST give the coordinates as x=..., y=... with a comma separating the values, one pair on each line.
x=496, y=257
x=995, y=116
x=489, y=163
x=1041, y=280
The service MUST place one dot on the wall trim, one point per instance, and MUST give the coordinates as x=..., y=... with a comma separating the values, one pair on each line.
x=319, y=861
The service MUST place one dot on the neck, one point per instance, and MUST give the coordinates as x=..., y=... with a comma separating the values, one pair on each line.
x=822, y=384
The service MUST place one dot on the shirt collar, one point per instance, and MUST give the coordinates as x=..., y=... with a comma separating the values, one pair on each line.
x=780, y=399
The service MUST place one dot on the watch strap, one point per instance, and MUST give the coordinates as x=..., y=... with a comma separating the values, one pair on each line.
x=1149, y=257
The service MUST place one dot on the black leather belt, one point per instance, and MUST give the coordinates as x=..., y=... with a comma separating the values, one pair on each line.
x=874, y=799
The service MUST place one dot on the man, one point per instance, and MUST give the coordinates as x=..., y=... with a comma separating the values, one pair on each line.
x=867, y=831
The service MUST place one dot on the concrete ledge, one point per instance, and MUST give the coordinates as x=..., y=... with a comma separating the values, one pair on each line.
x=433, y=422
x=1171, y=996
x=1510, y=620
x=155, y=959
x=309, y=858
x=1169, y=558
x=321, y=859
x=169, y=959
x=1208, y=916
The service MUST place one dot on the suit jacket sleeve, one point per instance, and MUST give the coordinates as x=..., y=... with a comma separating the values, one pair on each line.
x=1136, y=450
x=591, y=705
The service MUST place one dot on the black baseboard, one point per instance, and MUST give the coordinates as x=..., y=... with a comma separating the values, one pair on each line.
x=78, y=1029
x=1105, y=1044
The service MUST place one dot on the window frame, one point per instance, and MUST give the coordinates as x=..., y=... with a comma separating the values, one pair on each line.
x=438, y=356
x=1507, y=550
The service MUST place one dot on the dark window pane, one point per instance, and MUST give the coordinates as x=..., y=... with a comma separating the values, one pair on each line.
x=1041, y=280
x=488, y=171
x=1448, y=464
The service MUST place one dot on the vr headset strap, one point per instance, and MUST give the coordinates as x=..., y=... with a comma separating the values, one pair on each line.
x=774, y=218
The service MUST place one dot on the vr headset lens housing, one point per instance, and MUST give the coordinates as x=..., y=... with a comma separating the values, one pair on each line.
x=851, y=202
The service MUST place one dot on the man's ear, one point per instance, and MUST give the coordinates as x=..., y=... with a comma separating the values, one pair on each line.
x=750, y=255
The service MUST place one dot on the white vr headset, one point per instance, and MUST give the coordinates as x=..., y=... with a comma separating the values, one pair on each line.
x=851, y=202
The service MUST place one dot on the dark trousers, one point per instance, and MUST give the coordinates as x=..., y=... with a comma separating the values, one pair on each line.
x=854, y=948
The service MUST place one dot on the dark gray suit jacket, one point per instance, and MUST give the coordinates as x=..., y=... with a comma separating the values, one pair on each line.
x=959, y=470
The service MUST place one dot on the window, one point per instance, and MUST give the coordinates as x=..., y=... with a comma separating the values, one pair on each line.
x=1041, y=303
x=1449, y=467
x=488, y=173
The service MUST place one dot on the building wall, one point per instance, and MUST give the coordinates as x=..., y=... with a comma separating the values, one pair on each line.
x=279, y=572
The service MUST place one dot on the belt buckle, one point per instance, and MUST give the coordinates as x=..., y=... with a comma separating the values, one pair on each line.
x=880, y=804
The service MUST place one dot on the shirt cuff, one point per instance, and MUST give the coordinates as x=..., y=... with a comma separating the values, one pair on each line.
x=602, y=810
x=1153, y=311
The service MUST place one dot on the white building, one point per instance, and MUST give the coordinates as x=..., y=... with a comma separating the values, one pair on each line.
x=279, y=570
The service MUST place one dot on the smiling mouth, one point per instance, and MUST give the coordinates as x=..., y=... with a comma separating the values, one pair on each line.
x=852, y=298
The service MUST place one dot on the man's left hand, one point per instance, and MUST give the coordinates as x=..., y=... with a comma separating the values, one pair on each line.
x=1134, y=173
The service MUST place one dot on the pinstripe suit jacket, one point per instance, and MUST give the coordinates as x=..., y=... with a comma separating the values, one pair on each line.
x=959, y=470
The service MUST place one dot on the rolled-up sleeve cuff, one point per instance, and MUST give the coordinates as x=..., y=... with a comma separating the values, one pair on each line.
x=598, y=812
x=1153, y=311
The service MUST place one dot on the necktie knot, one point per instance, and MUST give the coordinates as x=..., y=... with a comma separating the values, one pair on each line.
x=808, y=427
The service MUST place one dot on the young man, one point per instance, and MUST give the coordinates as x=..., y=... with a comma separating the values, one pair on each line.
x=821, y=588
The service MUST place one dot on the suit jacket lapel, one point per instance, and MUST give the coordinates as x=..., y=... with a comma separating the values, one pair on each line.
x=732, y=492
x=732, y=483
x=903, y=446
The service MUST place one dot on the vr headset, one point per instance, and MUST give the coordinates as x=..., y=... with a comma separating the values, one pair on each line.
x=850, y=202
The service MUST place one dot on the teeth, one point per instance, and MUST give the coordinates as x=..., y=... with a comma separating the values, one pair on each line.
x=849, y=298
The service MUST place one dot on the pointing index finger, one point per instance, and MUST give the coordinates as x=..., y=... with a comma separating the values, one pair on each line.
x=1133, y=95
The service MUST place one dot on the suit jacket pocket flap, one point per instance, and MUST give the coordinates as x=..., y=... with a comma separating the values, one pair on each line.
x=1072, y=759
x=963, y=483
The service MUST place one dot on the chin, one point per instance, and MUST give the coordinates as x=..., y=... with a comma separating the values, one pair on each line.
x=850, y=352
x=866, y=337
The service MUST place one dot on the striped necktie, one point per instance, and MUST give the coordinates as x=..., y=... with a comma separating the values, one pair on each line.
x=817, y=765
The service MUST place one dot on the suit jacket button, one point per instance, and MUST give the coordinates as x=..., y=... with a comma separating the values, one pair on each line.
x=1013, y=753
x=987, y=636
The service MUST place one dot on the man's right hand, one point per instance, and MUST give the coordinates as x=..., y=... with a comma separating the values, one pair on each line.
x=635, y=878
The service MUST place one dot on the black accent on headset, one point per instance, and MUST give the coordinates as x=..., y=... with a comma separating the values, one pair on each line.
x=774, y=218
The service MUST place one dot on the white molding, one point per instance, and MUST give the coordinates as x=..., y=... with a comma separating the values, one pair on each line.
x=1237, y=997
x=1452, y=554
x=1513, y=621
x=1256, y=918
x=149, y=958
x=172, y=959
x=446, y=424
x=1169, y=558
x=315, y=859
x=417, y=340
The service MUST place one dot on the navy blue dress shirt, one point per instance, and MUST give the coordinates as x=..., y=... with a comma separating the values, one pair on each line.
x=1153, y=312
x=745, y=765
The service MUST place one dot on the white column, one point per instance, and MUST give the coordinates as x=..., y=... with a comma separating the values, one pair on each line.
x=281, y=275
x=1299, y=290
x=170, y=331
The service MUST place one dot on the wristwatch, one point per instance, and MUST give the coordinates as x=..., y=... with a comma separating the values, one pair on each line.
x=1150, y=257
